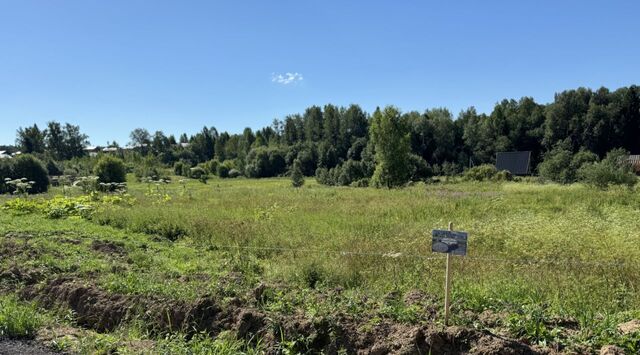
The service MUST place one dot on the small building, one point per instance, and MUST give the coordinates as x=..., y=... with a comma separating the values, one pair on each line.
x=4, y=155
x=92, y=151
x=634, y=160
x=110, y=149
x=517, y=163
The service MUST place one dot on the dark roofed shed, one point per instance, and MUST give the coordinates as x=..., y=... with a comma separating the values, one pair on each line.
x=517, y=163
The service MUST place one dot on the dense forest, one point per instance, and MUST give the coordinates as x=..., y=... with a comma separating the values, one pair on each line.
x=342, y=145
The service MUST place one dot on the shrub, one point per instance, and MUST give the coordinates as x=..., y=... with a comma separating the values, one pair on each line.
x=212, y=166
x=361, y=183
x=561, y=166
x=265, y=162
x=614, y=169
x=503, y=175
x=420, y=169
x=350, y=171
x=6, y=172
x=480, y=173
x=197, y=172
x=53, y=169
x=234, y=173
x=297, y=178
x=344, y=174
x=178, y=167
x=29, y=167
x=149, y=168
x=110, y=170
x=450, y=169
x=222, y=171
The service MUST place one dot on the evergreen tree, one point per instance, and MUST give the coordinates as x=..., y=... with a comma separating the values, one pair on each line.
x=297, y=178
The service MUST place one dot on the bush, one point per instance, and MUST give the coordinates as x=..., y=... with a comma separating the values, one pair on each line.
x=614, y=169
x=503, y=175
x=265, y=162
x=178, y=168
x=29, y=167
x=344, y=174
x=110, y=170
x=149, y=168
x=361, y=183
x=349, y=172
x=53, y=169
x=6, y=172
x=234, y=173
x=222, y=171
x=420, y=169
x=297, y=178
x=561, y=166
x=480, y=173
x=197, y=172
x=212, y=166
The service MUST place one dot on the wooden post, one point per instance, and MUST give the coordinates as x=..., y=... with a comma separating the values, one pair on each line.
x=447, y=285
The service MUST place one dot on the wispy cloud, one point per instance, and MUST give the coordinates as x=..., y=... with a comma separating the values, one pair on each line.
x=286, y=78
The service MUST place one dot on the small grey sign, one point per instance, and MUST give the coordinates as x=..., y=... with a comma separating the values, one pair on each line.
x=450, y=242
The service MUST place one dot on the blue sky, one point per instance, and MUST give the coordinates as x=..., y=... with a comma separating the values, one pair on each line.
x=111, y=66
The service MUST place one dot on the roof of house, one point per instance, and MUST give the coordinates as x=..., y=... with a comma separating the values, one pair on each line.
x=517, y=163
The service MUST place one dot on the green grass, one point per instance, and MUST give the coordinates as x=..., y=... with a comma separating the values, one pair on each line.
x=536, y=252
x=18, y=319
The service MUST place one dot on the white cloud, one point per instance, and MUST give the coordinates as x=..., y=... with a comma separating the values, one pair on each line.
x=286, y=78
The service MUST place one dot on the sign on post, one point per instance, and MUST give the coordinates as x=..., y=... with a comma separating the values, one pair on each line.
x=451, y=243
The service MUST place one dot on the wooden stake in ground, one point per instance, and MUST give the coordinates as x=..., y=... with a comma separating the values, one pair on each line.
x=447, y=284
x=451, y=243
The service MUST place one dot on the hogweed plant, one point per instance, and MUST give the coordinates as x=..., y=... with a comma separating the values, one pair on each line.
x=159, y=194
x=21, y=186
x=185, y=191
x=88, y=184
x=116, y=187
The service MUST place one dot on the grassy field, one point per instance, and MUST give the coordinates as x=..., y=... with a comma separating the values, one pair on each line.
x=557, y=267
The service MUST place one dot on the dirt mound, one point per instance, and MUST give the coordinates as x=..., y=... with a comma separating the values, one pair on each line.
x=629, y=327
x=12, y=247
x=19, y=275
x=102, y=311
x=94, y=308
x=393, y=338
x=111, y=248
x=611, y=350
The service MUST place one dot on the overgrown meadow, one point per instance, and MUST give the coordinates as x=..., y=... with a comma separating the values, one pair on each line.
x=554, y=266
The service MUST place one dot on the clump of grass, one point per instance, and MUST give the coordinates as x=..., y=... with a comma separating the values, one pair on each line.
x=224, y=344
x=18, y=319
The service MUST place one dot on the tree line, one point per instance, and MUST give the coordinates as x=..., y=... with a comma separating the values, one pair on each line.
x=345, y=145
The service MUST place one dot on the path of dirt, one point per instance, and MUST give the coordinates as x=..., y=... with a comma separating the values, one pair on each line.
x=20, y=347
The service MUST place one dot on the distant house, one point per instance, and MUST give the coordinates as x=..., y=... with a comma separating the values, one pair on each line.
x=634, y=160
x=110, y=149
x=92, y=151
x=517, y=163
x=4, y=155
